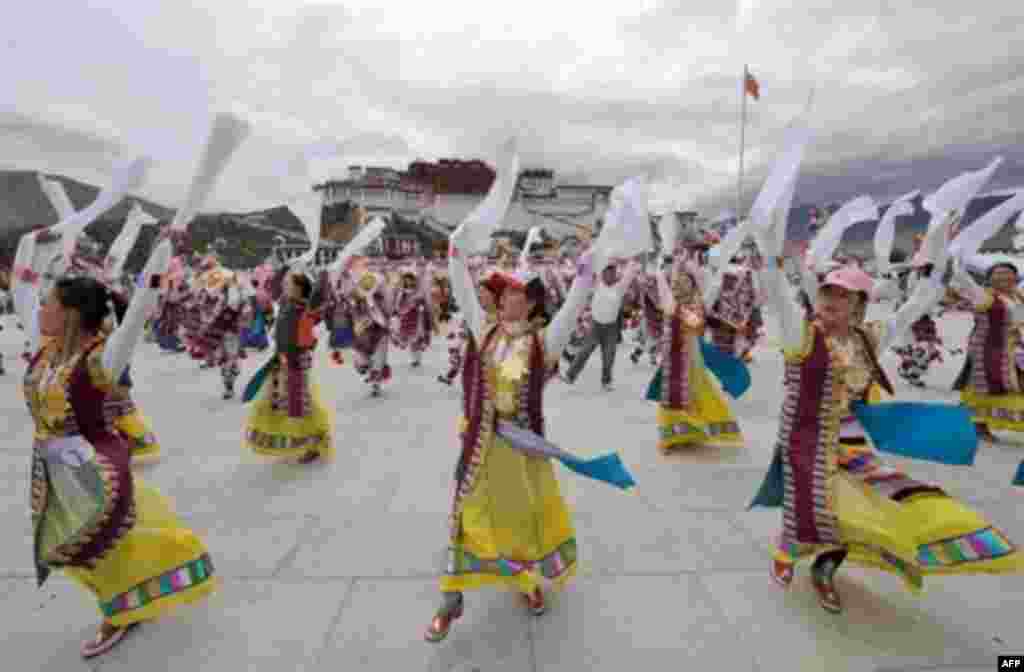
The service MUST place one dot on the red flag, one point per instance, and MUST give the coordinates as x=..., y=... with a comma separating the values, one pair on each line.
x=750, y=85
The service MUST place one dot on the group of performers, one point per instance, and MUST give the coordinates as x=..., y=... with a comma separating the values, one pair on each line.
x=511, y=324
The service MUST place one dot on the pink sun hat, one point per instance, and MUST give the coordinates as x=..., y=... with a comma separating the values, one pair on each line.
x=850, y=278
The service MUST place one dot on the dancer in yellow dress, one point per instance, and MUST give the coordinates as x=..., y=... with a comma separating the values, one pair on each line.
x=289, y=418
x=692, y=411
x=103, y=527
x=990, y=382
x=840, y=501
x=510, y=526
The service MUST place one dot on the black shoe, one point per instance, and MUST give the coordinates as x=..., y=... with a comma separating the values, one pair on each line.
x=228, y=394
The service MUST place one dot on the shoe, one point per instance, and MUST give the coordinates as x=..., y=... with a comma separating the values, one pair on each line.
x=828, y=598
x=106, y=639
x=566, y=379
x=375, y=390
x=635, y=358
x=445, y=380
x=228, y=394
x=535, y=602
x=985, y=434
x=441, y=624
x=310, y=457
x=781, y=573
x=607, y=387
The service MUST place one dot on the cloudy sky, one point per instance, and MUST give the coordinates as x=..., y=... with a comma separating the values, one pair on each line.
x=904, y=96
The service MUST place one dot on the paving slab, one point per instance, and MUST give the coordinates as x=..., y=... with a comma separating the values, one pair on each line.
x=382, y=625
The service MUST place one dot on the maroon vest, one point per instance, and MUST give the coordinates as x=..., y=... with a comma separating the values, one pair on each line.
x=88, y=404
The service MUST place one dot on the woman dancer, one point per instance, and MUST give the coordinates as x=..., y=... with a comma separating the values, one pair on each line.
x=289, y=418
x=990, y=381
x=509, y=525
x=840, y=501
x=108, y=531
x=413, y=320
x=691, y=409
x=369, y=306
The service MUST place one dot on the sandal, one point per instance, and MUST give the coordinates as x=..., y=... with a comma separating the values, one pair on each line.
x=828, y=598
x=106, y=639
x=441, y=624
x=535, y=602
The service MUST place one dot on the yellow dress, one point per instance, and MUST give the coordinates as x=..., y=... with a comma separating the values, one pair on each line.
x=708, y=421
x=272, y=431
x=927, y=533
x=154, y=566
x=516, y=531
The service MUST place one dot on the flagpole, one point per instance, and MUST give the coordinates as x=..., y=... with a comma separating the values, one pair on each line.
x=743, y=129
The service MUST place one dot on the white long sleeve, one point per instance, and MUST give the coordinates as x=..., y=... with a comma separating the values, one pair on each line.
x=559, y=332
x=235, y=297
x=927, y=293
x=425, y=283
x=885, y=289
x=26, y=305
x=464, y=292
x=117, y=352
x=27, y=295
x=808, y=282
x=965, y=285
x=668, y=302
x=713, y=287
x=790, y=314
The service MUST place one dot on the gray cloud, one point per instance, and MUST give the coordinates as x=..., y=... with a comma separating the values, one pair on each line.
x=905, y=96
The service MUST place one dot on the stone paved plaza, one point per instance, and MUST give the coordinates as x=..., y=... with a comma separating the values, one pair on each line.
x=333, y=567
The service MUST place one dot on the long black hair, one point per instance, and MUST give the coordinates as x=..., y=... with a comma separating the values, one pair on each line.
x=91, y=299
x=536, y=293
x=305, y=285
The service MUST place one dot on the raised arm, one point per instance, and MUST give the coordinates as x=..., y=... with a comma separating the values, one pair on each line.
x=965, y=285
x=712, y=286
x=668, y=302
x=464, y=292
x=927, y=293
x=117, y=352
x=26, y=283
x=808, y=280
x=779, y=295
x=425, y=281
x=559, y=332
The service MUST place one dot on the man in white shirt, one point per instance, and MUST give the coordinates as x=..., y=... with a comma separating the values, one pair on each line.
x=606, y=309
